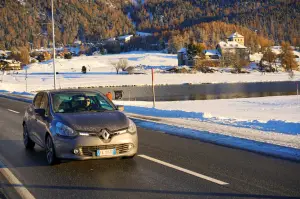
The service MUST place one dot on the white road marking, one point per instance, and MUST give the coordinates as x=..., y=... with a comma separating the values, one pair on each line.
x=18, y=186
x=13, y=111
x=184, y=170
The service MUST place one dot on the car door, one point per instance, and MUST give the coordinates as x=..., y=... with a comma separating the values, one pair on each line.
x=31, y=125
x=42, y=122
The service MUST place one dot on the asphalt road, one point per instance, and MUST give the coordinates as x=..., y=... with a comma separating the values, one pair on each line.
x=249, y=175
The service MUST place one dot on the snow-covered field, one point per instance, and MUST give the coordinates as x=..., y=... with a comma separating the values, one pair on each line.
x=272, y=114
x=100, y=72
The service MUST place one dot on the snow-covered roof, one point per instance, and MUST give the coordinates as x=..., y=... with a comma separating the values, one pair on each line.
x=182, y=50
x=143, y=34
x=125, y=36
x=231, y=45
x=212, y=52
x=236, y=34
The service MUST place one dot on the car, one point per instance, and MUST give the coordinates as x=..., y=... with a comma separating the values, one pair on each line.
x=80, y=125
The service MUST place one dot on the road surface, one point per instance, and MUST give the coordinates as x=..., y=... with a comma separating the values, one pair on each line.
x=166, y=167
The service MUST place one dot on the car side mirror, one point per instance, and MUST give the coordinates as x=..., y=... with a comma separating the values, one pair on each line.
x=120, y=108
x=40, y=112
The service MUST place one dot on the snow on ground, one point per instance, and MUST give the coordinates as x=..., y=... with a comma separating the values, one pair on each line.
x=273, y=114
x=100, y=72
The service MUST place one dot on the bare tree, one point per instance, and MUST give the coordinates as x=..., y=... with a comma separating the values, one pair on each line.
x=123, y=64
x=116, y=66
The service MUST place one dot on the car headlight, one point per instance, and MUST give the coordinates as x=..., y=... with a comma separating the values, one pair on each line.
x=132, y=127
x=64, y=130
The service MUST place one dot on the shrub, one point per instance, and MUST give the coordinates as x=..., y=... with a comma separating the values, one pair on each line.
x=68, y=56
x=83, y=69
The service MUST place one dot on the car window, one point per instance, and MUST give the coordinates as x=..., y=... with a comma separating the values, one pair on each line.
x=69, y=102
x=37, y=100
x=45, y=103
x=103, y=102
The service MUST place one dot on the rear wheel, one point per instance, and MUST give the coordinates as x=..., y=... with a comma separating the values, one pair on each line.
x=50, y=151
x=29, y=144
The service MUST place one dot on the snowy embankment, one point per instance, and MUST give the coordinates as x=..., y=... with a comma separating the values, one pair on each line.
x=278, y=114
x=273, y=121
x=100, y=72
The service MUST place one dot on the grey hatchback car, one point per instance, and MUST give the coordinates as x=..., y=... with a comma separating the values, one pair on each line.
x=78, y=124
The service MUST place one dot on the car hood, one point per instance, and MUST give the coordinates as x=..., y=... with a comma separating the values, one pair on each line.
x=95, y=122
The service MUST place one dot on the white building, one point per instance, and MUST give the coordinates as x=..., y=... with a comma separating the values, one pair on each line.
x=125, y=38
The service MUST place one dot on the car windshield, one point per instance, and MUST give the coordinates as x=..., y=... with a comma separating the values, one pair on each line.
x=80, y=102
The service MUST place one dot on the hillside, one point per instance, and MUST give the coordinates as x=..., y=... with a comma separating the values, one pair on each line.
x=278, y=20
x=90, y=20
x=27, y=22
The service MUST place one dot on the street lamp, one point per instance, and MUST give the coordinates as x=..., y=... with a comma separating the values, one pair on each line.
x=53, y=42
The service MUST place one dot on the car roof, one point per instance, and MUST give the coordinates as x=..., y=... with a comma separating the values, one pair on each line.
x=72, y=91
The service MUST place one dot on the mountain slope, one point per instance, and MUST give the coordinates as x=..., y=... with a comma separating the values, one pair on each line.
x=89, y=20
x=279, y=20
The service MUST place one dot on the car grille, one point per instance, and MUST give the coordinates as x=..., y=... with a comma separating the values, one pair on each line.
x=91, y=150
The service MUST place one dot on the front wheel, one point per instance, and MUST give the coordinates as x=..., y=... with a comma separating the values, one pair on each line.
x=29, y=144
x=50, y=151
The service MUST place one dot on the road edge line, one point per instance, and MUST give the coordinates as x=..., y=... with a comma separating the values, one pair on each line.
x=16, y=184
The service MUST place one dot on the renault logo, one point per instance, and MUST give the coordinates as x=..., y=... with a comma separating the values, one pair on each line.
x=105, y=134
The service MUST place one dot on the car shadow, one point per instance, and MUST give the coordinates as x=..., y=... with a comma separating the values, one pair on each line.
x=17, y=156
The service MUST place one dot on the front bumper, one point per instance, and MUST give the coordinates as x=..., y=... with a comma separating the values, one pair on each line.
x=126, y=145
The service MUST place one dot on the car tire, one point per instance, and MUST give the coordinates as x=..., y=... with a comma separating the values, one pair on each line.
x=50, y=151
x=29, y=144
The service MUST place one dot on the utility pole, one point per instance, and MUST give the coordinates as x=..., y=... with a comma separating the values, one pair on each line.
x=26, y=78
x=53, y=34
x=153, y=89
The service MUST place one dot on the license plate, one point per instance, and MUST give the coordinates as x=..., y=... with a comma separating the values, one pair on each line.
x=106, y=152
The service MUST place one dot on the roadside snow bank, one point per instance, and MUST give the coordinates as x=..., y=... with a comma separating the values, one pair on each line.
x=277, y=114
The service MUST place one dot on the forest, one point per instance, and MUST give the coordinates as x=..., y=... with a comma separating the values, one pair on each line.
x=27, y=23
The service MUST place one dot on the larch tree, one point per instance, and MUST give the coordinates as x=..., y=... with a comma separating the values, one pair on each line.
x=287, y=57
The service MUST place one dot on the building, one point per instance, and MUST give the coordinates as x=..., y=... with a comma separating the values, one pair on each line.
x=125, y=38
x=236, y=37
x=6, y=64
x=143, y=34
x=212, y=54
x=183, y=59
x=234, y=45
x=3, y=54
x=230, y=47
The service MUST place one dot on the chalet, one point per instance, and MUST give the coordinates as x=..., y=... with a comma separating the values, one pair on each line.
x=10, y=65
